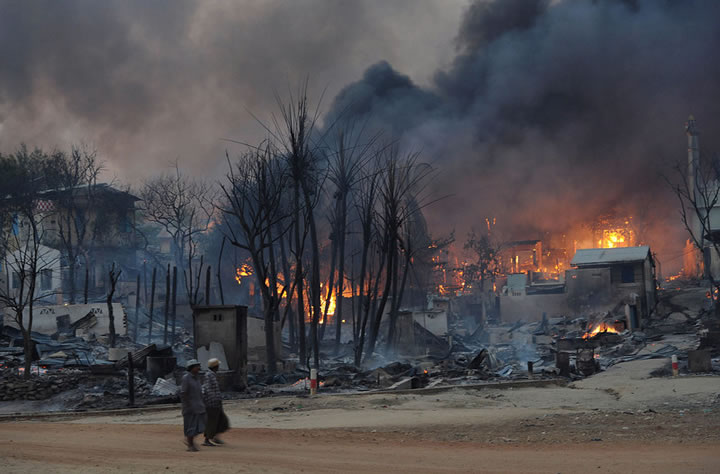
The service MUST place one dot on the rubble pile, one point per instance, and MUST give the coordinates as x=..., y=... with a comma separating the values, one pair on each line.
x=16, y=387
x=84, y=372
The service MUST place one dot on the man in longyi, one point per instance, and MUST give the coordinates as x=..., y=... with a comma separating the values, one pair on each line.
x=217, y=421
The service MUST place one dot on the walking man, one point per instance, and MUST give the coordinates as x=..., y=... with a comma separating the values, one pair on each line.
x=217, y=421
x=193, y=408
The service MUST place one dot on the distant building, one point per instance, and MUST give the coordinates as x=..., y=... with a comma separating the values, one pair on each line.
x=107, y=222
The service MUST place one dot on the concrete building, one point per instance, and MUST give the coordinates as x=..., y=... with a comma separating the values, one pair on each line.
x=603, y=279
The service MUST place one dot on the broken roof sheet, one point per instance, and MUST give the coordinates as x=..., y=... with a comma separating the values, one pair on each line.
x=606, y=256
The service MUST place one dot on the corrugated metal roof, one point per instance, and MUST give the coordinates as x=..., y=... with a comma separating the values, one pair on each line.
x=617, y=255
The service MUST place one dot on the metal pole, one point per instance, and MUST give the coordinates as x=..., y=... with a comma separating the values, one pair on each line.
x=152, y=305
x=137, y=308
x=174, y=305
x=131, y=381
x=167, y=303
x=207, y=286
x=86, y=282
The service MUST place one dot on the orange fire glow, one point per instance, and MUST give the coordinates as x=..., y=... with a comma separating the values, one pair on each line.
x=600, y=328
x=243, y=271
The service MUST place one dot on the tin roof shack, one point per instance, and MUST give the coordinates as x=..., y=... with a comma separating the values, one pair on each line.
x=226, y=325
x=611, y=277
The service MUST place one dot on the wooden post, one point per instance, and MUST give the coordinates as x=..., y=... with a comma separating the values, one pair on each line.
x=145, y=293
x=131, y=379
x=152, y=305
x=167, y=303
x=174, y=304
x=207, y=286
x=137, y=309
x=87, y=271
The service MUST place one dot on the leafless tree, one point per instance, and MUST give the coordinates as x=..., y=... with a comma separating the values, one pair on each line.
x=400, y=195
x=23, y=177
x=183, y=207
x=253, y=194
x=365, y=207
x=350, y=155
x=292, y=131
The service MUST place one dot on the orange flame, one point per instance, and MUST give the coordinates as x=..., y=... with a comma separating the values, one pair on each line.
x=600, y=328
x=242, y=271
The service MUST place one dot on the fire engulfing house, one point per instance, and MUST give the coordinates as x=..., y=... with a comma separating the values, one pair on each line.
x=612, y=277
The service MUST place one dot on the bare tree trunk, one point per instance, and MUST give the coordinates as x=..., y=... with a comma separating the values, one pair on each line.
x=299, y=287
x=331, y=285
x=219, y=276
x=289, y=293
x=73, y=283
x=113, y=278
x=363, y=307
x=315, y=281
x=28, y=346
x=383, y=301
x=341, y=274
x=394, y=304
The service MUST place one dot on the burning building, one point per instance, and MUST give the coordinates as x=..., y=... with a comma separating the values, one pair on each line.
x=608, y=278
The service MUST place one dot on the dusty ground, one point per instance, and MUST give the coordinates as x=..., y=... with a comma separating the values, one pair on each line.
x=617, y=421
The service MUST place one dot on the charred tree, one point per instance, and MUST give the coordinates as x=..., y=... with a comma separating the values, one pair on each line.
x=113, y=277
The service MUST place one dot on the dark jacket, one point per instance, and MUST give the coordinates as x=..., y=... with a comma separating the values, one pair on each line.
x=191, y=395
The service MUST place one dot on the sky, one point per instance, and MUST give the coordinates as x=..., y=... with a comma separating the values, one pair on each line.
x=539, y=113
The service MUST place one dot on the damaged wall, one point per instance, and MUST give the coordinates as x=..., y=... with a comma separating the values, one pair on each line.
x=256, y=340
x=47, y=318
x=530, y=308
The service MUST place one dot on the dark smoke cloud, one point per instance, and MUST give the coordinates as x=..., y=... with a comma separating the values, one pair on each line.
x=151, y=82
x=555, y=112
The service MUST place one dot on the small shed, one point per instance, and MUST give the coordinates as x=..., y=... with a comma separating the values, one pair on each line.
x=613, y=276
x=225, y=325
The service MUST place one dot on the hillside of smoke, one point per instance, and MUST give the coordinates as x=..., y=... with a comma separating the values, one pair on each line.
x=555, y=112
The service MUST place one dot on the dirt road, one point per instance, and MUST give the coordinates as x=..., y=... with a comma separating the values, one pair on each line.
x=60, y=448
x=619, y=421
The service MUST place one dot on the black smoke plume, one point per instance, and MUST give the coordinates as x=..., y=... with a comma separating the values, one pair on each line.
x=555, y=112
